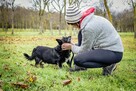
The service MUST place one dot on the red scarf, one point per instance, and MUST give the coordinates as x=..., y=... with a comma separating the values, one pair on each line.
x=86, y=13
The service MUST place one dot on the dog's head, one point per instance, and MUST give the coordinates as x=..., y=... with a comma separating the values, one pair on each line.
x=64, y=40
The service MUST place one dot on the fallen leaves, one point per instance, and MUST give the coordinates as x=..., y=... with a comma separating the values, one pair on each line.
x=32, y=78
x=20, y=40
x=21, y=85
x=66, y=82
x=17, y=84
x=6, y=67
x=78, y=79
x=1, y=82
x=28, y=79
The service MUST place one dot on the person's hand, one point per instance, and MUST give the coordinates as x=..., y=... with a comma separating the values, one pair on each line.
x=66, y=46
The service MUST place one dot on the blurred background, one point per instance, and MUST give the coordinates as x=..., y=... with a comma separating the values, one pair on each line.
x=48, y=15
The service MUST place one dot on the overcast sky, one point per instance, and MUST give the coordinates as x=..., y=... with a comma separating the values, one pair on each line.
x=118, y=5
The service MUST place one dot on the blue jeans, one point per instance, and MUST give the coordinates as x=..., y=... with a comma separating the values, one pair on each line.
x=96, y=58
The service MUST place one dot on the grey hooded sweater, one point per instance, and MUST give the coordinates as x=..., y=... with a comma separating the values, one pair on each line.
x=98, y=33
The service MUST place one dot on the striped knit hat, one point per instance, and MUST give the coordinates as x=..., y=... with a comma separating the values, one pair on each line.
x=73, y=14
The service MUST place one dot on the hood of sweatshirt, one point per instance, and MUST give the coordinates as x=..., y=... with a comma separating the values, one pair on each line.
x=86, y=16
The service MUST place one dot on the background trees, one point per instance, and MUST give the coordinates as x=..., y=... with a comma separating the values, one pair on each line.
x=59, y=7
x=12, y=6
x=108, y=11
x=4, y=15
x=49, y=14
x=133, y=4
x=40, y=5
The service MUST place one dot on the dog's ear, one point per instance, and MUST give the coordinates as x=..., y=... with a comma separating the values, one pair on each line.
x=59, y=41
x=69, y=38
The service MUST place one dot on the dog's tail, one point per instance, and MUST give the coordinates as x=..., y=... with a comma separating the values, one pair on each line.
x=32, y=56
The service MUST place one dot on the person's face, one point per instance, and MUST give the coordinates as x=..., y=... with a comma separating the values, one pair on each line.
x=76, y=25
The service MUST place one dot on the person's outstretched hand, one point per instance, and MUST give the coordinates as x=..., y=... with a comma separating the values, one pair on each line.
x=66, y=46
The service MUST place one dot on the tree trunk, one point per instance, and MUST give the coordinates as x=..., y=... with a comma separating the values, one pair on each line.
x=60, y=23
x=51, y=27
x=108, y=11
x=135, y=22
x=41, y=25
x=65, y=5
x=3, y=24
x=12, y=22
x=50, y=22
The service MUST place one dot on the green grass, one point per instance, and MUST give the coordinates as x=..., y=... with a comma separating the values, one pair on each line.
x=14, y=68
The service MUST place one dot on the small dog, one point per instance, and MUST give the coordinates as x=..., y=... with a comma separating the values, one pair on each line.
x=51, y=55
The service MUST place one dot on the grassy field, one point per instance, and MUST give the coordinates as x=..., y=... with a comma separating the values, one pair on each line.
x=18, y=74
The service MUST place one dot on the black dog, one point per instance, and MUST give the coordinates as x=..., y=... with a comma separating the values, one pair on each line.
x=51, y=55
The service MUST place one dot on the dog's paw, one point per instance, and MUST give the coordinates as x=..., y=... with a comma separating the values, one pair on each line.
x=42, y=66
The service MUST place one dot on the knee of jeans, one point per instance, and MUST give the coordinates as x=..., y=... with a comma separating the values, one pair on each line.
x=77, y=60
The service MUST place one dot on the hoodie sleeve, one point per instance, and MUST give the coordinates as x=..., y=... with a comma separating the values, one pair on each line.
x=87, y=41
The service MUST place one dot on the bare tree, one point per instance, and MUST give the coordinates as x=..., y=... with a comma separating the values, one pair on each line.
x=59, y=7
x=108, y=10
x=133, y=4
x=12, y=6
x=104, y=5
x=2, y=6
x=40, y=5
x=50, y=19
x=4, y=14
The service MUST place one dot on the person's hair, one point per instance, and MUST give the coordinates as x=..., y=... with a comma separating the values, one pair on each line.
x=73, y=23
